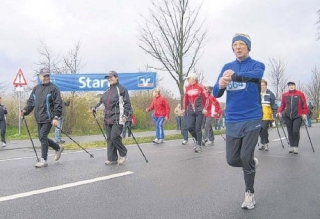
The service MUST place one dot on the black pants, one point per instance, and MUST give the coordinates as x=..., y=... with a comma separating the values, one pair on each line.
x=114, y=141
x=3, y=128
x=194, y=121
x=293, y=128
x=184, y=129
x=264, y=135
x=240, y=153
x=43, y=132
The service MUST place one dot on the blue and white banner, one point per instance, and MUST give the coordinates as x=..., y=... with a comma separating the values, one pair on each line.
x=97, y=82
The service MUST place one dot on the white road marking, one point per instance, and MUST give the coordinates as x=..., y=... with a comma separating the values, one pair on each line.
x=278, y=139
x=69, y=185
x=50, y=155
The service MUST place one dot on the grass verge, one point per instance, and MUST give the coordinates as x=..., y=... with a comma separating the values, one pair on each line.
x=126, y=141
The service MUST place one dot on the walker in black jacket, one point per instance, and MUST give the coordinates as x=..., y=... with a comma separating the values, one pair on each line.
x=118, y=109
x=46, y=102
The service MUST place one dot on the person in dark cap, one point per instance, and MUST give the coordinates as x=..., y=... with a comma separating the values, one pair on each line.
x=294, y=110
x=45, y=100
x=243, y=115
x=118, y=109
x=3, y=125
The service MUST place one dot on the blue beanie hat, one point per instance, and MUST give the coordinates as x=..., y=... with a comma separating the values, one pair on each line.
x=243, y=37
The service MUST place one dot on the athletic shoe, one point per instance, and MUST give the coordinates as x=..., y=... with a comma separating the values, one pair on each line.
x=184, y=142
x=203, y=143
x=62, y=142
x=58, y=154
x=160, y=141
x=295, y=150
x=198, y=149
x=266, y=147
x=249, y=201
x=291, y=150
x=108, y=162
x=156, y=141
x=261, y=147
x=3, y=144
x=256, y=162
x=210, y=143
x=41, y=163
x=122, y=160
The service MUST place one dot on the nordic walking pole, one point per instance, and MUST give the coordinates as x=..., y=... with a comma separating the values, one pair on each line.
x=138, y=145
x=285, y=135
x=25, y=122
x=94, y=115
x=305, y=125
x=280, y=136
x=91, y=155
x=223, y=137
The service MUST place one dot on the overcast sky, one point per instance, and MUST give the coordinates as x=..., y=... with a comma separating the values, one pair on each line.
x=107, y=30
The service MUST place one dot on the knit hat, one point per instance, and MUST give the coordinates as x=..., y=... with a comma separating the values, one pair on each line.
x=243, y=37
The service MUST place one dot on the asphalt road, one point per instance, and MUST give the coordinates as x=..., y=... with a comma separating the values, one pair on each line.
x=175, y=183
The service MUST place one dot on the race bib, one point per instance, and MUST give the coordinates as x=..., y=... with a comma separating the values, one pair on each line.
x=232, y=86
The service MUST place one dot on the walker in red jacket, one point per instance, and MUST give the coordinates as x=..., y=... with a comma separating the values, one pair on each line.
x=161, y=113
x=294, y=109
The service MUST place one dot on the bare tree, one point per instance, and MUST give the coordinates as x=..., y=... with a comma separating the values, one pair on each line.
x=276, y=76
x=47, y=58
x=312, y=89
x=71, y=65
x=172, y=36
x=3, y=87
x=72, y=61
x=318, y=23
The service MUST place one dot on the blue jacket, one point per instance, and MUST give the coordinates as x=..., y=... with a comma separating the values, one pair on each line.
x=243, y=92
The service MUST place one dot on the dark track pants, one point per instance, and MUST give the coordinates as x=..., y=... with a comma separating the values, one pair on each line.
x=114, y=141
x=208, y=131
x=293, y=128
x=240, y=153
x=264, y=135
x=43, y=131
x=3, y=128
x=194, y=121
x=184, y=130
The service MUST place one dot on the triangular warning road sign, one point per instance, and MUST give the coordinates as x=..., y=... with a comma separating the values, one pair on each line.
x=20, y=79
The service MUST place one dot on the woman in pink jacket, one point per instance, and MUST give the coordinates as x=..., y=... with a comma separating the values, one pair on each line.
x=161, y=109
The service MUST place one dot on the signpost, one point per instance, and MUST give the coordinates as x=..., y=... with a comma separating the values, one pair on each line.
x=18, y=82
